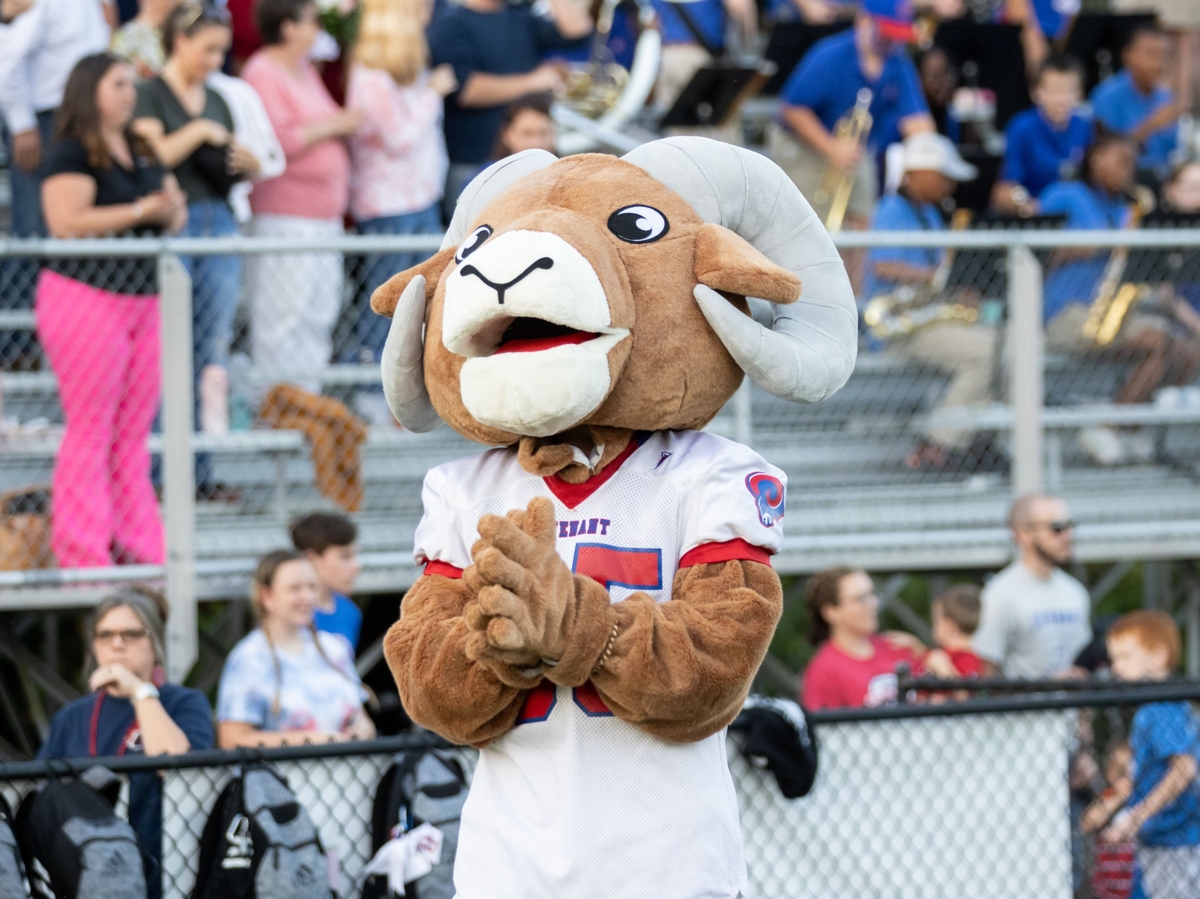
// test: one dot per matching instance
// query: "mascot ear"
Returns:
(387, 295)
(727, 262)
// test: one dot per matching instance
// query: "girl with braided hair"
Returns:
(286, 682)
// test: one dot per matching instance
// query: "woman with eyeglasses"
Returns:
(130, 708)
(854, 665)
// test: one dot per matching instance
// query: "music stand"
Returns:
(1158, 265)
(997, 54)
(788, 43)
(716, 94)
(987, 270)
(1097, 39)
(976, 195)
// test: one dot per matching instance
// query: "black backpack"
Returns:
(12, 869)
(779, 737)
(422, 786)
(75, 847)
(260, 843)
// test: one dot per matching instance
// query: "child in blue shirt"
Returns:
(1046, 143)
(1160, 804)
(1135, 101)
(330, 542)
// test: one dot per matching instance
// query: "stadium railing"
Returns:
(978, 798)
(862, 487)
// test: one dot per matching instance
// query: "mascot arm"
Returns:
(680, 670)
(443, 689)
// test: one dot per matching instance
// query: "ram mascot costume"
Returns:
(597, 592)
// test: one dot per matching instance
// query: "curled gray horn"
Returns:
(809, 351)
(403, 363)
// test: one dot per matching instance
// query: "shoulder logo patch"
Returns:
(767, 491)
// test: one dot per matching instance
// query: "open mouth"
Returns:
(531, 335)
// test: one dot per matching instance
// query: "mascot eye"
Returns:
(638, 224)
(473, 242)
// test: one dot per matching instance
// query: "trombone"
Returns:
(854, 126)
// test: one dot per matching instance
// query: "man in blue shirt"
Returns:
(964, 350)
(1135, 101)
(496, 50)
(683, 53)
(330, 541)
(824, 88)
(1046, 143)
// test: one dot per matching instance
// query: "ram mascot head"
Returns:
(601, 293)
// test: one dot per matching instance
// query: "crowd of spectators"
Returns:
(1031, 620)
(265, 131)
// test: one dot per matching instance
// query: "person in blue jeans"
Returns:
(191, 128)
(1159, 805)
(330, 542)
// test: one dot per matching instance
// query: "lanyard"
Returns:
(131, 735)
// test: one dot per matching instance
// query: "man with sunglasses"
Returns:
(1035, 616)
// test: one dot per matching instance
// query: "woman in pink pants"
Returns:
(98, 321)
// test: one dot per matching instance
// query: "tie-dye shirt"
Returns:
(312, 694)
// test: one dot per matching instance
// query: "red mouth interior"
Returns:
(532, 335)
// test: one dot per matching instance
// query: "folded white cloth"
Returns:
(409, 856)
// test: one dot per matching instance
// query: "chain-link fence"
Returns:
(967, 390)
(1006, 795)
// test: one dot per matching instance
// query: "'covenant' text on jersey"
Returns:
(573, 801)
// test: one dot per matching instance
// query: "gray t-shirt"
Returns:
(1031, 627)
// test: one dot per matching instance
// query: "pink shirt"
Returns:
(835, 680)
(399, 155)
(316, 182)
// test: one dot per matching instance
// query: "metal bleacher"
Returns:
(851, 498)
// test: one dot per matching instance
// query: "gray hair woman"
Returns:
(130, 708)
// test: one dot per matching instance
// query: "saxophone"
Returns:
(1114, 298)
(911, 307)
(854, 126)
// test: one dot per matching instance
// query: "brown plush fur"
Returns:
(673, 371)
(679, 670)
(465, 651)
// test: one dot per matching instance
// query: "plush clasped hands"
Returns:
(525, 619)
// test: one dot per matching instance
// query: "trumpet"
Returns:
(1113, 298)
(854, 126)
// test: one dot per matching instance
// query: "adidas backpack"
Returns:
(422, 786)
(12, 871)
(260, 843)
(74, 847)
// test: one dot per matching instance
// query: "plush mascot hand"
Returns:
(526, 592)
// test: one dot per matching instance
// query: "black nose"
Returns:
(467, 270)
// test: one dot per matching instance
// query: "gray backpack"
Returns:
(12, 871)
(422, 786)
(260, 843)
(74, 847)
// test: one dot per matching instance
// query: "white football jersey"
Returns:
(573, 802)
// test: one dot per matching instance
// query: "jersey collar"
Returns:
(571, 495)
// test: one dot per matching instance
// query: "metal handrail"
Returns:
(372, 243)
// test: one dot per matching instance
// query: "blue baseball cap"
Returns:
(893, 18)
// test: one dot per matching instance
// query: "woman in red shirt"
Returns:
(854, 664)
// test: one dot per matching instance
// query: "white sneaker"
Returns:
(1103, 444)
(1139, 444)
